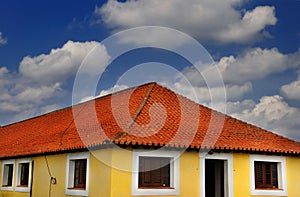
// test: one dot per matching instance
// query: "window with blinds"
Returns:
(154, 172)
(266, 175)
(80, 173)
(8, 170)
(24, 174)
(77, 175)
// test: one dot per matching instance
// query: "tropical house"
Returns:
(145, 141)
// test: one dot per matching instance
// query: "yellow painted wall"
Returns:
(110, 175)
(121, 172)
(100, 173)
(121, 175)
(241, 174)
(189, 174)
(41, 178)
(293, 176)
(241, 170)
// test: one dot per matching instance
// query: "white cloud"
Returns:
(255, 64)
(39, 94)
(111, 90)
(236, 107)
(115, 88)
(49, 108)
(60, 63)
(159, 37)
(41, 85)
(272, 113)
(31, 111)
(3, 71)
(250, 26)
(9, 107)
(3, 41)
(218, 21)
(291, 90)
(205, 94)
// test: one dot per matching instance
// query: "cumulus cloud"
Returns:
(60, 63)
(252, 24)
(292, 90)
(256, 63)
(38, 94)
(3, 71)
(3, 40)
(111, 90)
(209, 21)
(41, 85)
(115, 88)
(272, 113)
(205, 94)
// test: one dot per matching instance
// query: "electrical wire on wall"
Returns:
(52, 179)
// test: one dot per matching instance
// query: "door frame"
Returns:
(228, 171)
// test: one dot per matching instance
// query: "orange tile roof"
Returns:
(156, 116)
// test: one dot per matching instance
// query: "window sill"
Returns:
(6, 188)
(22, 189)
(156, 188)
(269, 192)
(76, 192)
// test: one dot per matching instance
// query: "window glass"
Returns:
(24, 174)
(80, 173)
(8, 175)
(266, 175)
(154, 172)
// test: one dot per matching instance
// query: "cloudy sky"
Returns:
(254, 44)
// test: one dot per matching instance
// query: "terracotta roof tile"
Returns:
(156, 116)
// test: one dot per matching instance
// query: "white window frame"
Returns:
(174, 173)
(228, 158)
(281, 169)
(6, 162)
(18, 173)
(70, 173)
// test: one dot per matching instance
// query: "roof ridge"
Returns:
(142, 104)
(137, 111)
(71, 122)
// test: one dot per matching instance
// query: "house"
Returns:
(145, 141)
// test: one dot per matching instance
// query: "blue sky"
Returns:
(255, 45)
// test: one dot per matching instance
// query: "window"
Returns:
(155, 173)
(7, 174)
(77, 174)
(23, 175)
(80, 173)
(268, 175)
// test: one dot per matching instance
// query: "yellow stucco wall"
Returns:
(121, 179)
(241, 174)
(110, 175)
(241, 171)
(100, 173)
(41, 178)
(293, 176)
